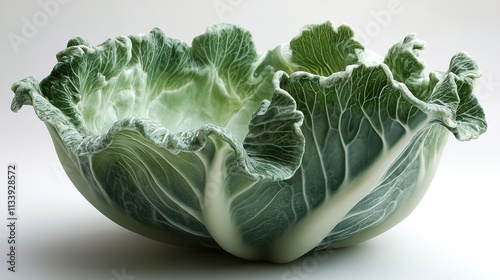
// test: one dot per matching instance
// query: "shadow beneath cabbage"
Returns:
(118, 254)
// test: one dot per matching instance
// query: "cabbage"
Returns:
(316, 144)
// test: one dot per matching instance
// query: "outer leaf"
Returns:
(386, 119)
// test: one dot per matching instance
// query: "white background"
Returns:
(452, 235)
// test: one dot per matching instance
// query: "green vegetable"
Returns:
(315, 144)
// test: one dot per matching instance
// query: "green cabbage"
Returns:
(315, 144)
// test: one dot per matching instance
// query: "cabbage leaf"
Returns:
(318, 143)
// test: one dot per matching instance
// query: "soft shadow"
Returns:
(104, 254)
